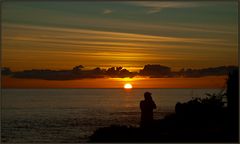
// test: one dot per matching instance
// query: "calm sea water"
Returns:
(72, 115)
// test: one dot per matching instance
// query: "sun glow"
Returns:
(128, 86)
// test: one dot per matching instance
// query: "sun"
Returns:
(128, 86)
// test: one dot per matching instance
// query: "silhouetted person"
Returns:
(147, 105)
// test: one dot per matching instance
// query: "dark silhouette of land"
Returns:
(198, 120)
(78, 72)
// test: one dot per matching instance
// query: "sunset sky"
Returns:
(61, 35)
(131, 34)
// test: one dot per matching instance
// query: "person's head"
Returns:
(147, 96)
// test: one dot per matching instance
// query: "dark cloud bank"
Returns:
(153, 71)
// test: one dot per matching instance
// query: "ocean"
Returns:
(72, 115)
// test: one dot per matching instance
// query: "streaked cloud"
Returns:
(155, 7)
(26, 43)
(107, 11)
(77, 34)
